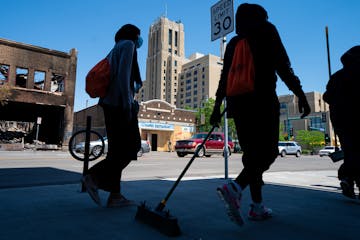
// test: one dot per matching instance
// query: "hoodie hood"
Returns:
(128, 31)
(351, 58)
(248, 17)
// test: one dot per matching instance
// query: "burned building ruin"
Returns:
(37, 87)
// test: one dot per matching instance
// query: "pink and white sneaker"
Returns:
(230, 193)
(259, 212)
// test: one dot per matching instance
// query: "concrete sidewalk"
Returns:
(64, 212)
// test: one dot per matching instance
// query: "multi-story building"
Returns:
(41, 87)
(172, 77)
(318, 119)
(198, 80)
(165, 57)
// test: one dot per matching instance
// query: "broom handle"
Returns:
(162, 204)
(329, 68)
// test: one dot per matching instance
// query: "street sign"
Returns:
(222, 19)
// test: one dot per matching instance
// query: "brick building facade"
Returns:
(41, 85)
(159, 123)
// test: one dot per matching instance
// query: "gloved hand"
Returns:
(304, 106)
(215, 117)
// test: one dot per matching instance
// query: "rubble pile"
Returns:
(14, 131)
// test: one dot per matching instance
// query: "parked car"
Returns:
(95, 147)
(325, 151)
(289, 148)
(145, 147)
(214, 145)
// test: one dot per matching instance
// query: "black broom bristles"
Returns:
(161, 220)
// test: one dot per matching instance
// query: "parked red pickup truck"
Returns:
(214, 145)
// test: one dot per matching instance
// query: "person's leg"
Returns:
(349, 171)
(231, 192)
(105, 174)
(97, 177)
(258, 161)
(106, 171)
(126, 150)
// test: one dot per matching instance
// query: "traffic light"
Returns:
(291, 133)
(327, 138)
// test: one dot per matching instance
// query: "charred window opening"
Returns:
(57, 83)
(4, 73)
(21, 77)
(39, 80)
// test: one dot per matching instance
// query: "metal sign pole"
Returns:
(226, 150)
(226, 142)
(222, 23)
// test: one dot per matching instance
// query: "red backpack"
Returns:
(242, 71)
(98, 79)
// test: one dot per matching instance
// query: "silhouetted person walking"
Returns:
(256, 110)
(342, 95)
(120, 112)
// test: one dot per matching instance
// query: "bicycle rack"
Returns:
(86, 152)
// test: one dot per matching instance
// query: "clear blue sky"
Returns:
(89, 26)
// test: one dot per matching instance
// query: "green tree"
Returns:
(310, 140)
(206, 110)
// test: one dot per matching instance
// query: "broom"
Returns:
(158, 217)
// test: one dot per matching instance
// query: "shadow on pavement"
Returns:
(39, 176)
(63, 212)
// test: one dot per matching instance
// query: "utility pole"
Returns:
(329, 69)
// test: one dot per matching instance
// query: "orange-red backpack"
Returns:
(241, 75)
(98, 79)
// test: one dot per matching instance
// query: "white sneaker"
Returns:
(259, 212)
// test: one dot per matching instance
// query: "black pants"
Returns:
(350, 169)
(123, 144)
(258, 133)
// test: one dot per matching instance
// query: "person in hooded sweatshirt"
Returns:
(255, 113)
(120, 113)
(341, 94)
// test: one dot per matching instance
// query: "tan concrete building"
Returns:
(318, 119)
(159, 123)
(198, 80)
(41, 85)
(170, 76)
(165, 57)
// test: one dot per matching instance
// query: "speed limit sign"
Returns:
(222, 19)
